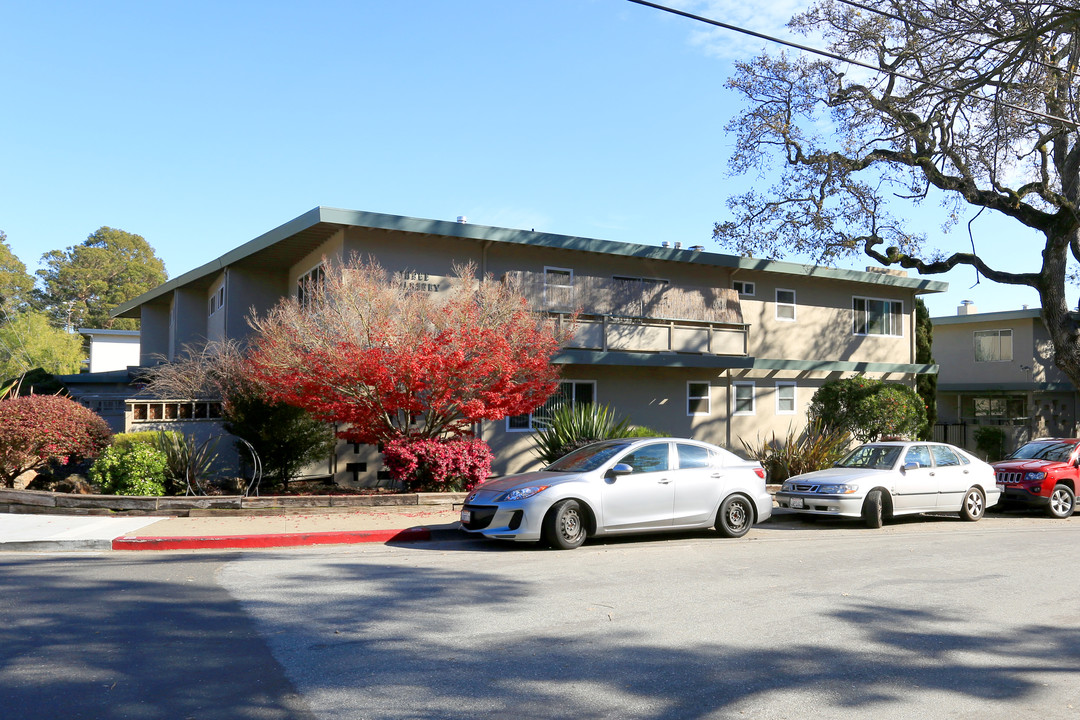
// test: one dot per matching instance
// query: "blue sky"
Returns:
(201, 125)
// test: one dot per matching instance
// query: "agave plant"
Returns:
(188, 460)
(815, 448)
(570, 427)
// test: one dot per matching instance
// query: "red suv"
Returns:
(1042, 473)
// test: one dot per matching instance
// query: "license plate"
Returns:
(796, 503)
(466, 516)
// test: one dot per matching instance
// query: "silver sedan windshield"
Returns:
(872, 457)
(587, 458)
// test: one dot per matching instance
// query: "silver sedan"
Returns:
(623, 486)
(881, 480)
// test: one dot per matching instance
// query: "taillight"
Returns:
(760, 472)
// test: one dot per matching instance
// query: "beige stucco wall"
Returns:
(954, 351)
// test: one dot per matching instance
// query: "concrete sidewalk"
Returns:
(43, 533)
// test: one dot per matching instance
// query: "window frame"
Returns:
(890, 313)
(783, 384)
(745, 288)
(531, 425)
(569, 286)
(793, 305)
(735, 385)
(317, 275)
(998, 333)
(707, 397)
(216, 301)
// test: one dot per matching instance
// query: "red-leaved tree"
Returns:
(368, 350)
(36, 428)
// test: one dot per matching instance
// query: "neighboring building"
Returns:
(998, 369)
(112, 349)
(695, 344)
(107, 384)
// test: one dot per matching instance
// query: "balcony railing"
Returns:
(641, 315)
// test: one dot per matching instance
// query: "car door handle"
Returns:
(663, 481)
(717, 475)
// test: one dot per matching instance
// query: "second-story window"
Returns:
(558, 288)
(309, 283)
(217, 301)
(993, 346)
(785, 305)
(878, 317)
(744, 288)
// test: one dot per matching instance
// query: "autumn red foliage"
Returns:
(385, 361)
(438, 465)
(37, 428)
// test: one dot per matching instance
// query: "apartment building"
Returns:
(691, 343)
(998, 368)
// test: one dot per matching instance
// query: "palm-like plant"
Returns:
(569, 427)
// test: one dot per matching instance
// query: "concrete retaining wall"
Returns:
(35, 501)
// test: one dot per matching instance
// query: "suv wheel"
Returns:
(1062, 502)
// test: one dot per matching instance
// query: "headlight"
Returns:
(837, 489)
(787, 487)
(522, 493)
(1035, 476)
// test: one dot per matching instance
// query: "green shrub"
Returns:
(145, 437)
(815, 448)
(134, 468)
(868, 409)
(990, 442)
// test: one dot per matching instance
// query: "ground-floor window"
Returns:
(570, 392)
(698, 398)
(785, 398)
(743, 398)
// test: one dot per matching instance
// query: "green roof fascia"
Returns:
(380, 221)
(1005, 387)
(650, 359)
(843, 366)
(1003, 316)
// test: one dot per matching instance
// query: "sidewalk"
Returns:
(44, 533)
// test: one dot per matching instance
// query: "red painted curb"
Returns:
(225, 542)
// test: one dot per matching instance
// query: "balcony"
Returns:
(640, 315)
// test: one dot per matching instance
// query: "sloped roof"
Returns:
(288, 243)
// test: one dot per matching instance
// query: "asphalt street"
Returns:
(929, 617)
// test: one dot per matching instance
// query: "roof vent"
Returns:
(462, 219)
(678, 245)
(664, 244)
(698, 248)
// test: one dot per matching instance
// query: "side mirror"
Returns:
(620, 469)
(911, 466)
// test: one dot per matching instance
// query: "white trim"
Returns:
(794, 396)
(707, 397)
(748, 287)
(735, 397)
(792, 305)
(549, 304)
